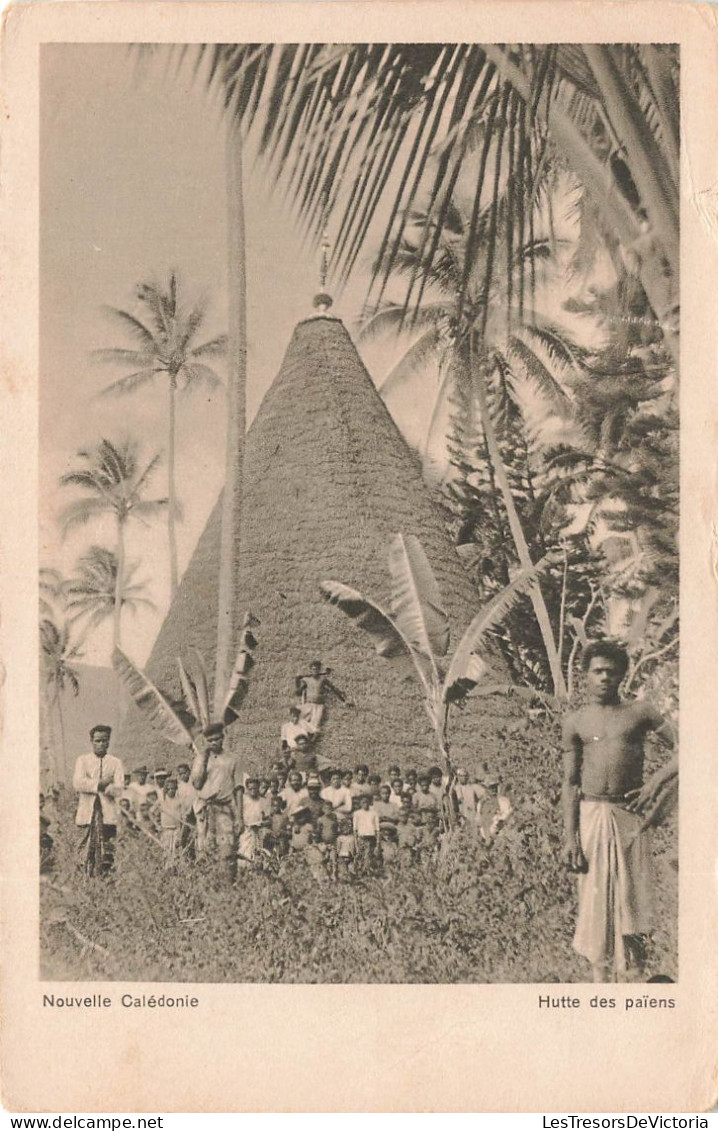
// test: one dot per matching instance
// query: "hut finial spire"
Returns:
(323, 300)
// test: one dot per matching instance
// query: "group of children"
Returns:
(353, 821)
(342, 822)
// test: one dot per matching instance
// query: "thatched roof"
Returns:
(329, 481)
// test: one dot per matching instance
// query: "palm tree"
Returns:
(92, 591)
(52, 591)
(228, 617)
(113, 483)
(58, 654)
(339, 118)
(166, 334)
(472, 345)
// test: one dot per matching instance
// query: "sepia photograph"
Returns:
(358, 512)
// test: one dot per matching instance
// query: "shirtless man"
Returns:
(313, 689)
(605, 836)
(215, 776)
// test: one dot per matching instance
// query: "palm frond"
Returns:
(131, 383)
(215, 347)
(82, 511)
(414, 361)
(134, 326)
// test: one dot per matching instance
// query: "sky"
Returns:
(133, 185)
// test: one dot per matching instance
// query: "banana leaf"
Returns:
(467, 667)
(388, 639)
(416, 605)
(188, 690)
(198, 675)
(151, 701)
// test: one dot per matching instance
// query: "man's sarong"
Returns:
(312, 715)
(614, 895)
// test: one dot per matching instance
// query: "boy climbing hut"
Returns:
(606, 839)
(312, 690)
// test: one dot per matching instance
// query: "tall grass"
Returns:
(502, 913)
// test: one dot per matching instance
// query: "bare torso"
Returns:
(606, 741)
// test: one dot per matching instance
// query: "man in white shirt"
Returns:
(99, 780)
(339, 796)
(366, 832)
(139, 787)
(292, 729)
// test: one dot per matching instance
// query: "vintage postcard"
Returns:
(359, 556)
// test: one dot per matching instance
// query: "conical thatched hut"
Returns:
(329, 481)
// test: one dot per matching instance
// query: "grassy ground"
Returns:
(473, 915)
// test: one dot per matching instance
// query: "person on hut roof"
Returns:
(305, 759)
(292, 729)
(99, 779)
(313, 689)
(606, 838)
(215, 775)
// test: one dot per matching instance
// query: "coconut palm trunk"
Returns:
(48, 735)
(227, 614)
(522, 549)
(119, 581)
(171, 492)
(61, 762)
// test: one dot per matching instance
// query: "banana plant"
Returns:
(182, 720)
(415, 626)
